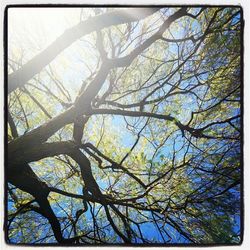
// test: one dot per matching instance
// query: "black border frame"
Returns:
(5, 45)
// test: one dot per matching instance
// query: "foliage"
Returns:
(126, 127)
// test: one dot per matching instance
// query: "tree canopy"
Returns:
(124, 125)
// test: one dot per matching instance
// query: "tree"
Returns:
(126, 128)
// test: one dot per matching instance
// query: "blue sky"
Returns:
(72, 77)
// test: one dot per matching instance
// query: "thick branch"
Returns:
(35, 65)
